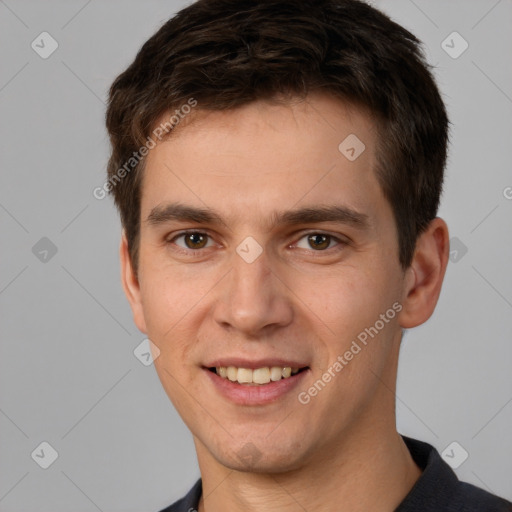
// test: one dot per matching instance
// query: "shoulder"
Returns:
(469, 498)
(439, 490)
(188, 503)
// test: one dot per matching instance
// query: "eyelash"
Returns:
(339, 242)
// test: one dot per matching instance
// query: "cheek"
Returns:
(175, 303)
(168, 307)
(168, 291)
(341, 297)
(346, 303)
(164, 301)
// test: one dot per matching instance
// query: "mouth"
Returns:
(256, 383)
(257, 376)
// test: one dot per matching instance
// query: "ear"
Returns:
(424, 277)
(131, 285)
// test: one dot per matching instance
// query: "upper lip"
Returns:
(254, 363)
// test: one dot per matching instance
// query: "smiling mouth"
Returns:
(258, 376)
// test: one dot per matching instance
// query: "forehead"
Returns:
(264, 157)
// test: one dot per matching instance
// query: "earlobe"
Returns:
(424, 278)
(131, 285)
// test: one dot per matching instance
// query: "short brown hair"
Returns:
(227, 53)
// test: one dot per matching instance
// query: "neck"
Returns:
(365, 472)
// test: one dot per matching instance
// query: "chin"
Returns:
(260, 458)
(266, 465)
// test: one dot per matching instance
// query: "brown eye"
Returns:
(319, 241)
(195, 240)
(191, 240)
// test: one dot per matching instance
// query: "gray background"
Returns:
(68, 374)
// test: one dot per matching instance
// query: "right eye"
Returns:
(192, 240)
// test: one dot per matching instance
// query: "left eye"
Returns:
(317, 241)
(192, 240)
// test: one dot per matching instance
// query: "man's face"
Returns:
(293, 254)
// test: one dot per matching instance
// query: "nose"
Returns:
(253, 299)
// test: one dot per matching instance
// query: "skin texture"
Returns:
(293, 302)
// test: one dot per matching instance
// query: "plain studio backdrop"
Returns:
(69, 374)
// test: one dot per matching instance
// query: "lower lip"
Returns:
(260, 394)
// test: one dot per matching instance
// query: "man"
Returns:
(278, 167)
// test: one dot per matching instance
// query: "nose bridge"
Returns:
(250, 280)
(253, 298)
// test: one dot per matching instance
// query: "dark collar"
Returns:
(435, 483)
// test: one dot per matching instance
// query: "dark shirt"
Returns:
(437, 489)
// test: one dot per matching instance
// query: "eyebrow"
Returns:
(162, 214)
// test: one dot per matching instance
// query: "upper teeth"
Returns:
(258, 376)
